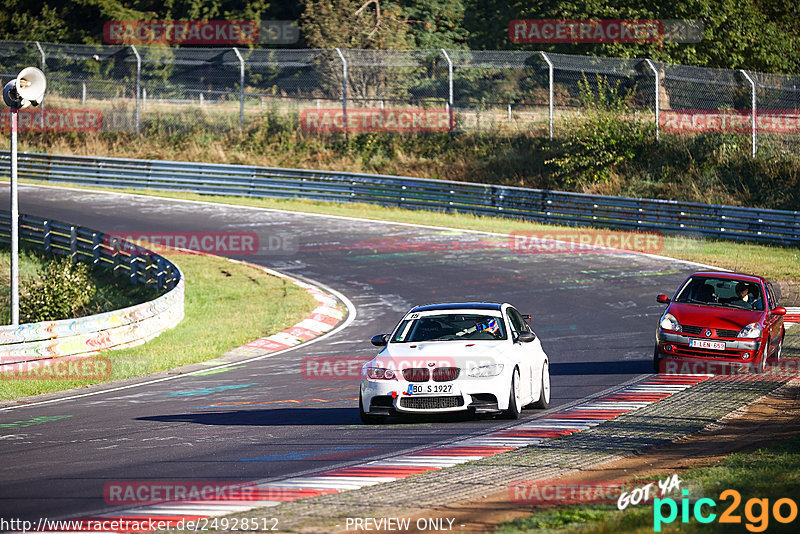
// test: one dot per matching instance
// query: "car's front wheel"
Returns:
(762, 365)
(514, 398)
(544, 392)
(366, 418)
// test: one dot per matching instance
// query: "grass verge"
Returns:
(227, 304)
(771, 473)
(772, 261)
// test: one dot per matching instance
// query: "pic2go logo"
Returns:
(756, 511)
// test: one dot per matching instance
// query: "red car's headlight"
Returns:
(669, 322)
(752, 331)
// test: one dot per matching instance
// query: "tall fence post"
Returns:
(44, 59)
(241, 85)
(344, 90)
(450, 92)
(550, 91)
(138, 84)
(657, 104)
(753, 105)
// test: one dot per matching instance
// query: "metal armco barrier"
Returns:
(552, 207)
(111, 330)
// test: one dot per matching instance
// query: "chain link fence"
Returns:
(127, 88)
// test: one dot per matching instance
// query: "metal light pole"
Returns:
(26, 90)
(14, 222)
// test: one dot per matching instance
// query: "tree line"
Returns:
(761, 35)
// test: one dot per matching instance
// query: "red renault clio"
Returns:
(725, 317)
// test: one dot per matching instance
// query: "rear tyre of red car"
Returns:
(514, 406)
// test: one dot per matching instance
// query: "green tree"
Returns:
(436, 24)
(81, 21)
(373, 24)
(754, 34)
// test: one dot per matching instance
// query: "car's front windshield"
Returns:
(722, 292)
(449, 327)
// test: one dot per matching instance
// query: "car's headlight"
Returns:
(669, 322)
(486, 370)
(753, 331)
(379, 373)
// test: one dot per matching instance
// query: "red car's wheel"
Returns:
(762, 365)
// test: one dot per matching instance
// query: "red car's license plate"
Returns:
(705, 344)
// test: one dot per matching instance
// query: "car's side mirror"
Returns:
(380, 340)
(663, 299)
(780, 310)
(526, 337)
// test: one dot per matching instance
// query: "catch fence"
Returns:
(129, 87)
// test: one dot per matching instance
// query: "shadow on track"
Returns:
(298, 417)
(602, 368)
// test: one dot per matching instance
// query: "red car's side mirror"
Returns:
(663, 299)
(780, 310)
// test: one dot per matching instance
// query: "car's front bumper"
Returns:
(676, 345)
(479, 395)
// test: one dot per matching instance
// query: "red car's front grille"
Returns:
(727, 333)
(715, 332)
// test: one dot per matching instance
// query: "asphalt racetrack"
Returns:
(595, 314)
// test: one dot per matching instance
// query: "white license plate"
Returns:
(430, 389)
(705, 344)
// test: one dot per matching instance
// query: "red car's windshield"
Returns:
(722, 292)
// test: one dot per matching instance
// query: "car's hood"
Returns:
(441, 354)
(714, 317)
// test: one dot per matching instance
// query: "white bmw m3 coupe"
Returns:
(475, 356)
